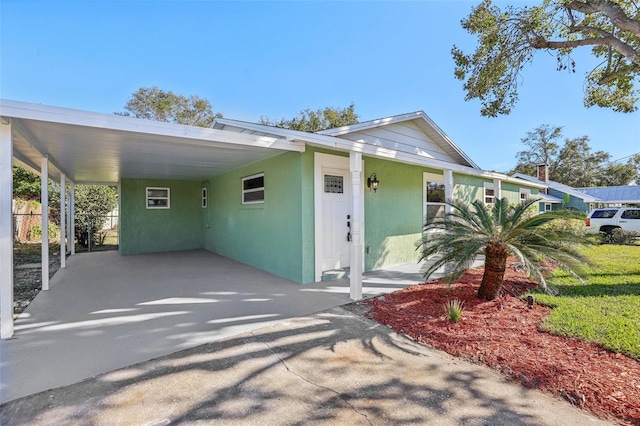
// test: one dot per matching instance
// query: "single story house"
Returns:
(556, 196)
(292, 203)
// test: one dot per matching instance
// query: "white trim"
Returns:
(497, 188)
(448, 188)
(63, 220)
(72, 217)
(432, 177)
(46, 113)
(356, 251)
(157, 188)
(485, 187)
(44, 222)
(249, 191)
(321, 161)
(6, 233)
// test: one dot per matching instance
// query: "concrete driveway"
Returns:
(330, 368)
(106, 311)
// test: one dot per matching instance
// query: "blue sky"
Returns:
(252, 59)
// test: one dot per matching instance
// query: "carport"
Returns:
(106, 311)
(77, 147)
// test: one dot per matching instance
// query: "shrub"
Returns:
(453, 309)
(93, 204)
(623, 237)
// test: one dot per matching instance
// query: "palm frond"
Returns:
(454, 240)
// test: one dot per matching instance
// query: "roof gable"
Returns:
(414, 133)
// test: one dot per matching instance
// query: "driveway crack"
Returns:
(338, 394)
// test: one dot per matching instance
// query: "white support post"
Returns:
(448, 188)
(497, 188)
(44, 200)
(72, 218)
(63, 221)
(356, 256)
(6, 232)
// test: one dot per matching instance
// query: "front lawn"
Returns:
(605, 310)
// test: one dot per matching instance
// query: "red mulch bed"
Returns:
(504, 334)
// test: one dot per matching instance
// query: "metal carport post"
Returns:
(6, 231)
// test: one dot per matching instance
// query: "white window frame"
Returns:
(248, 191)
(485, 187)
(205, 200)
(527, 194)
(547, 207)
(431, 177)
(157, 188)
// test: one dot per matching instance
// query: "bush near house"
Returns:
(93, 204)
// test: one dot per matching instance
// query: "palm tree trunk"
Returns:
(495, 264)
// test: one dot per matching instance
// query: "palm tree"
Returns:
(455, 240)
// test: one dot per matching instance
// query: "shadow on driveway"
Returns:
(333, 367)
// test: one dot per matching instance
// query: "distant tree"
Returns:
(156, 104)
(573, 163)
(509, 38)
(315, 121)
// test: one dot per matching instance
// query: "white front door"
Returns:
(336, 218)
(332, 213)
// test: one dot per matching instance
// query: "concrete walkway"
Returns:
(330, 368)
(106, 311)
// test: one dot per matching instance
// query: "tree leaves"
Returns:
(573, 163)
(508, 40)
(156, 104)
(315, 121)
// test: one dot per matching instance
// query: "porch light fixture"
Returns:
(373, 182)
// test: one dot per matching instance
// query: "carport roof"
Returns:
(93, 147)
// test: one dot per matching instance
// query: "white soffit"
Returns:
(104, 148)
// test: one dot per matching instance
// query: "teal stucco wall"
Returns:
(393, 214)
(272, 236)
(145, 230)
(468, 188)
(573, 202)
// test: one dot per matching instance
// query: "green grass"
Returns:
(605, 310)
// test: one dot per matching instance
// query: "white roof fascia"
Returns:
(339, 131)
(550, 199)
(288, 134)
(370, 150)
(23, 110)
(365, 125)
(405, 157)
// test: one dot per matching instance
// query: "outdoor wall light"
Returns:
(373, 182)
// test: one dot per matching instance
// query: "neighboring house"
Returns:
(557, 196)
(292, 203)
(615, 196)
